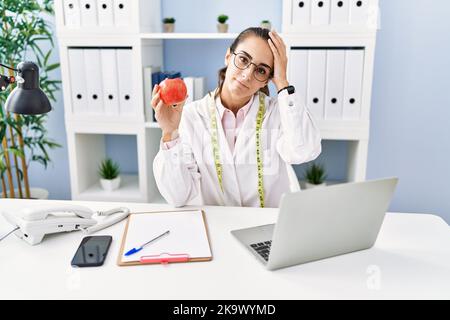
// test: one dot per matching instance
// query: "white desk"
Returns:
(411, 259)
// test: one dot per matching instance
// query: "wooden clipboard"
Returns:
(185, 259)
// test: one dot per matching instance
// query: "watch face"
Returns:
(291, 89)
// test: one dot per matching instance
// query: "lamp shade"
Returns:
(28, 98)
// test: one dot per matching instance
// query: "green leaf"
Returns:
(315, 174)
(2, 131)
(108, 169)
(46, 58)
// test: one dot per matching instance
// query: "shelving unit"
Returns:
(113, 27)
(136, 36)
(337, 29)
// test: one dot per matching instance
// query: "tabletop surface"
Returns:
(410, 260)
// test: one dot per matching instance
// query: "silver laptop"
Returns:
(320, 223)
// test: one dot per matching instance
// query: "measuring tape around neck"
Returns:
(216, 152)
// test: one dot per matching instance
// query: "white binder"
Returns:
(354, 69)
(339, 12)
(298, 73)
(320, 12)
(72, 14)
(335, 84)
(77, 81)
(301, 12)
(199, 88)
(359, 10)
(93, 69)
(124, 67)
(110, 81)
(105, 13)
(189, 81)
(316, 82)
(122, 13)
(88, 11)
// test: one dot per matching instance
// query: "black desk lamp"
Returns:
(27, 98)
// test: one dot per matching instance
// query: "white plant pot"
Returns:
(169, 27)
(110, 184)
(311, 185)
(35, 193)
(222, 27)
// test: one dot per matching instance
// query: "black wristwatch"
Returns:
(290, 89)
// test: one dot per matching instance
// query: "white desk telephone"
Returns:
(34, 223)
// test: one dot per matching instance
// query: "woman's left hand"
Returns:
(280, 60)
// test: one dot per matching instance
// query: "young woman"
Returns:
(235, 146)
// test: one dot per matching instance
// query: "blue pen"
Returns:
(134, 250)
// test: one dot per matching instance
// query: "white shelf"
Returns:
(183, 35)
(128, 191)
(216, 35)
(89, 126)
(327, 33)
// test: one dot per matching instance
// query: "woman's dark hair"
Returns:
(263, 33)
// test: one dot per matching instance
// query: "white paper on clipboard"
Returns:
(187, 235)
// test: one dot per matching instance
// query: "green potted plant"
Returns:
(109, 174)
(24, 139)
(266, 24)
(169, 24)
(315, 176)
(222, 26)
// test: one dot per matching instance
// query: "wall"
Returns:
(410, 127)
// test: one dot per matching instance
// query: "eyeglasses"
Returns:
(261, 72)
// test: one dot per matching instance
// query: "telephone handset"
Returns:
(33, 214)
(37, 221)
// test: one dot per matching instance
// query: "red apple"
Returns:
(172, 91)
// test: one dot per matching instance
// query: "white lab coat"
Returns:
(187, 170)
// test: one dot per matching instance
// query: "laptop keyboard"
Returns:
(262, 248)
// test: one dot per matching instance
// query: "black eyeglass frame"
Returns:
(251, 63)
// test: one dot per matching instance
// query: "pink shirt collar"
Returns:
(244, 109)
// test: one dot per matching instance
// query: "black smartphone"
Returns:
(92, 251)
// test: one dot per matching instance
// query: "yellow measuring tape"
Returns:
(216, 152)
